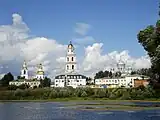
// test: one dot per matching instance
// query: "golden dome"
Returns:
(40, 72)
(70, 46)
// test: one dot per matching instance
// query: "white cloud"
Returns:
(82, 28)
(16, 46)
(95, 61)
(84, 40)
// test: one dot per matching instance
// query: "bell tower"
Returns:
(24, 71)
(71, 64)
(40, 72)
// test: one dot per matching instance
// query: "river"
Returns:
(59, 111)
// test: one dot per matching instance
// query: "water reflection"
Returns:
(57, 111)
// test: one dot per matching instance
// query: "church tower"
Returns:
(24, 71)
(40, 72)
(71, 65)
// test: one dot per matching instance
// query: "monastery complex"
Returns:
(70, 77)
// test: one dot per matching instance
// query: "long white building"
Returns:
(70, 76)
(126, 81)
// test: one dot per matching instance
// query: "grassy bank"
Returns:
(79, 99)
(80, 94)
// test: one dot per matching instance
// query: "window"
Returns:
(72, 59)
(72, 67)
(67, 58)
(67, 67)
(24, 72)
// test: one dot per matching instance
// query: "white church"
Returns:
(70, 76)
(24, 77)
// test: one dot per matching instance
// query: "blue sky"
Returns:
(115, 23)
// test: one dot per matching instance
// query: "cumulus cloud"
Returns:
(82, 28)
(16, 45)
(95, 61)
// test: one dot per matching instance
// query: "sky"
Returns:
(101, 30)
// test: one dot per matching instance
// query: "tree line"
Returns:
(143, 71)
(140, 93)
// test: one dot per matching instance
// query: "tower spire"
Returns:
(71, 59)
(24, 71)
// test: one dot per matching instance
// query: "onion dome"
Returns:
(70, 46)
(40, 70)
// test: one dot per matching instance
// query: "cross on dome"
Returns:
(70, 46)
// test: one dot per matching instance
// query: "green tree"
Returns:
(12, 87)
(46, 82)
(6, 79)
(149, 38)
(18, 77)
(23, 86)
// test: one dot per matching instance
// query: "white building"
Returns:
(40, 72)
(24, 71)
(31, 83)
(127, 81)
(25, 77)
(71, 77)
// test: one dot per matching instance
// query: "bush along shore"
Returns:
(68, 93)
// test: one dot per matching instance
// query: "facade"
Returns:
(40, 73)
(73, 80)
(31, 83)
(127, 81)
(25, 77)
(24, 71)
(71, 77)
(71, 65)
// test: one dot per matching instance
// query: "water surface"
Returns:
(59, 111)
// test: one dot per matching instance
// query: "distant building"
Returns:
(24, 77)
(126, 81)
(70, 76)
(40, 72)
(24, 71)
(31, 83)
(138, 82)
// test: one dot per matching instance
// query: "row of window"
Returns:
(69, 81)
(115, 81)
(32, 83)
(72, 67)
(72, 59)
(70, 84)
(71, 77)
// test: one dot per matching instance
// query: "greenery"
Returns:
(19, 93)
(46, 82)
(149, 38)
(106, 73)
(6, 79)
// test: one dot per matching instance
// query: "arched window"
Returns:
(67, 67)
(72, 58)
(72, 67)
(67, 58)
(24, 72)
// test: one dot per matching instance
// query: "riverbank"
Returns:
(79, 100)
